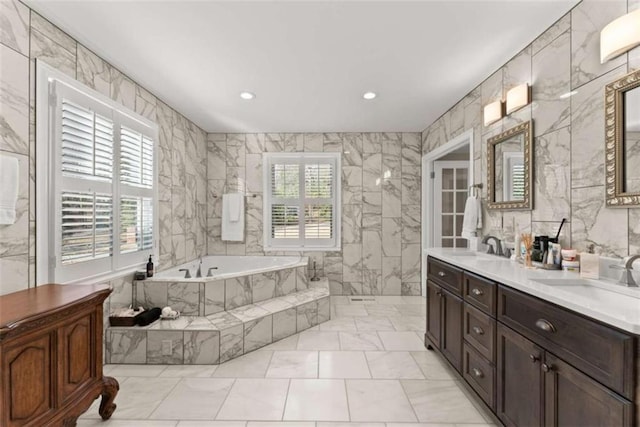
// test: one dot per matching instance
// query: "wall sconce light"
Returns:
(619, 36)
(493, 112)
(518, 97)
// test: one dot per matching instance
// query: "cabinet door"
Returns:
(27, 376)
(451, 338)
(574, 399)
(519, 377)
(434, 313)
(77, 359)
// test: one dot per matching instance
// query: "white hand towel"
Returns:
(472, 217)
(233, 217)
(235, 204)
(8, 189)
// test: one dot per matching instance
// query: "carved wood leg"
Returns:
(110, 388)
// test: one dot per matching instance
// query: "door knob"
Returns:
(546, 367)
(534, 358)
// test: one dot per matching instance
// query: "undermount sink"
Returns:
(563, 282)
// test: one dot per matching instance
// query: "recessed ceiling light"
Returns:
(247, 95)
(369, 95)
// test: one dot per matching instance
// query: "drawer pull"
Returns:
(441, 273)
(476, 292)
(547, 368)
(534, 358)
(545, 325)
(478, 330)
(477, 372)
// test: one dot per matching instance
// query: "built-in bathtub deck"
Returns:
(218, 337)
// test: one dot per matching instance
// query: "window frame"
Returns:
(49, 182)
(300, 244)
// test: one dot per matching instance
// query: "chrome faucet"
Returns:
(209, 272)
(627, 276)
(187, 274)
(498, 250)
(199, 272)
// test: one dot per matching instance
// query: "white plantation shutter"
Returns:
(103, 195)
(301, 201)
(87, 143)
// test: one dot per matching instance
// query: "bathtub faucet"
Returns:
(209, 272)
(199, 272)
(187, 274)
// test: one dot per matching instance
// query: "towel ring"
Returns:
(474, 188)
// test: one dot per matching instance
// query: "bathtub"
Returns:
(228, 267)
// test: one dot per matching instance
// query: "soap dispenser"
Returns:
(590, 263)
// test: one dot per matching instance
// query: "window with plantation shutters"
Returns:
(302, 201)
(99, 178)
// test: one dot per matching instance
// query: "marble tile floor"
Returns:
(366, 367)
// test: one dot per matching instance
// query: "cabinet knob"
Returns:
(534, 358)
(441, 273)
(478, 330)
(476, 291)
(477, 372)
(546, 367)
(545, 325)
(439, 293)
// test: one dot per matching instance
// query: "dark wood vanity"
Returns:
(531, 362)
(51, 355)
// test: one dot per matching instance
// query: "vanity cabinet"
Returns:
(537, 388)
(51, 355)
(534, 363)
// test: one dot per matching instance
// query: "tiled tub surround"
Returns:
(216, 338)
(209, 295)
(567, 82)
(227, 267)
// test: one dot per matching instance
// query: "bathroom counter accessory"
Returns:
(603, 300)
(51, 355)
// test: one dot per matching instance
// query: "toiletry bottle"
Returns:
(590, 264)
(150, 267)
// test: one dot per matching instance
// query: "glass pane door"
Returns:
(451, 186)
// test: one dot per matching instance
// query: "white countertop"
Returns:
(603, 300)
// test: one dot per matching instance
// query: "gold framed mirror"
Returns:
(509, 166)
(622, 134)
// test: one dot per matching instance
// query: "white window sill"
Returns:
(302, 249)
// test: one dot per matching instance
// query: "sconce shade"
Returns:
(619, 36)
(492, 112)
(517, 98)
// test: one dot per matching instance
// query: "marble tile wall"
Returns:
(563, 67)
(26, 36)
(380, 204)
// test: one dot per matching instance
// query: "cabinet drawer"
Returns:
(599, 351)
(446, 275)
(480, 374)
(479, 331)
(480, 292)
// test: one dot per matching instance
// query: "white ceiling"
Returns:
(307, 62)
